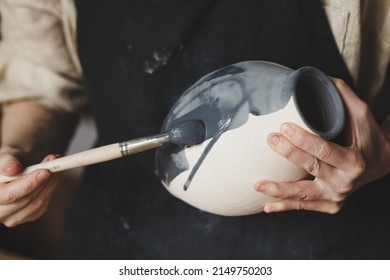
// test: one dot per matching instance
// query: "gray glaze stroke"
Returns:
(223, 100)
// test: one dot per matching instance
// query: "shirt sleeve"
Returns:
(361, 30)
(37, 61)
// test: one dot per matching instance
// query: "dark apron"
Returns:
(137, 58)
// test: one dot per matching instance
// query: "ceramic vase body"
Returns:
(240, 105)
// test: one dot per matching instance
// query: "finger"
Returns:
(7, 210)
(37, 207)
(347, 94)
(9, 165)
(326, 151)
(51, 157)
(319, 206)
(310, 163)
(14, 191)
(33, 205)
(302, 190)
(31, 212)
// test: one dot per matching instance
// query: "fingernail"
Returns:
(268, 208)
(49, 158)
(52, 157)
(280, 144)
(287, 129)
(274, 139)
(259, 186)
(268, 188)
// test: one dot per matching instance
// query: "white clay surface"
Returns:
(224, 184)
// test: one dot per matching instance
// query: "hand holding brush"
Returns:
(186, 133)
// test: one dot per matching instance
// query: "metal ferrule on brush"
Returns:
(143, 144)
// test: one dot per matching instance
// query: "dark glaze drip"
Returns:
(206, 151)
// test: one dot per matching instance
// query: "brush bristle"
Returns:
(187, 133)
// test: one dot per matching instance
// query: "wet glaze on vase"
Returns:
(240, 105)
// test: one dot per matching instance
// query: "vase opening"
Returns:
(319, 103)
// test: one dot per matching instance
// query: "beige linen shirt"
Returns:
(38, 56)
(39, 61)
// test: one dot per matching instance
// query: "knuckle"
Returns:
(30, 185)
(344, 183)
(301, 196)
(299, 206)
(323, 151)
(8, 198)
(345, 186)
(288, 152)
(313, 166)
(360, 165)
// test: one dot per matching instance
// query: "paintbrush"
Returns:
(186, 133)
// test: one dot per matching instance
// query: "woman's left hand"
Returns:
(338, 171)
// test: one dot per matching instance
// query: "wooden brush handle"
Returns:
(96, 155)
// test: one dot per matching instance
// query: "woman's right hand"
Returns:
(25, 199)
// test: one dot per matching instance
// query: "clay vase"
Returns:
(240, 105)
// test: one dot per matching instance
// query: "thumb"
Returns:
(9, 165)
